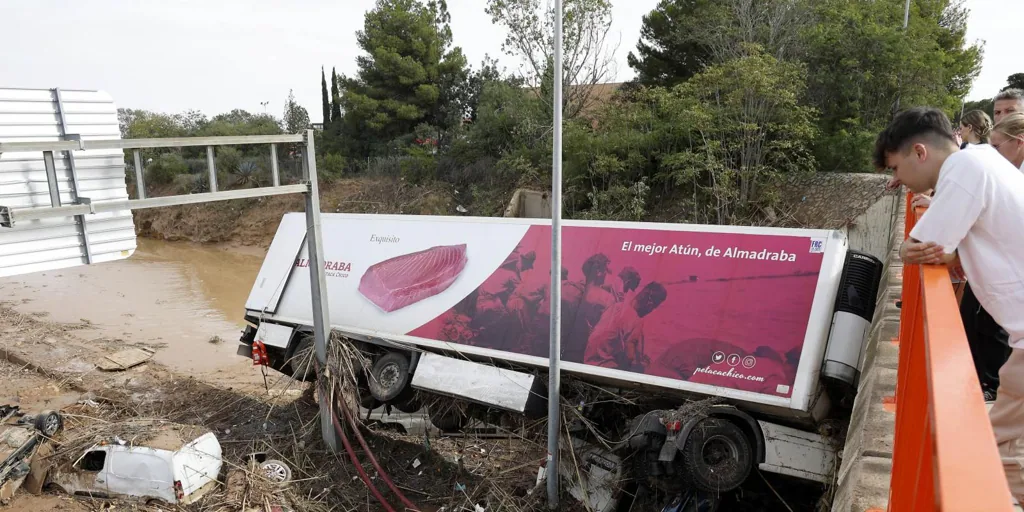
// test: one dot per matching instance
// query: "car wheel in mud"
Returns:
(389, 376)
(276, 471)
(301, 361)
(717, 456)
(49, 423)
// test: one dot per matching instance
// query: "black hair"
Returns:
(657, 291)
(910, 126)
(630, 278)
(595, 262)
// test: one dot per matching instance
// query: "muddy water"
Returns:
(184, 300)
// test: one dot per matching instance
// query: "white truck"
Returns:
(769, 321)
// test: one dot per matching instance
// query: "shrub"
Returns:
(163, 170)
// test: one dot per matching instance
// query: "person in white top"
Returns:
(975, 128)
(1008, 138)
(976, 216)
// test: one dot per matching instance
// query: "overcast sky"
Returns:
(216, 55)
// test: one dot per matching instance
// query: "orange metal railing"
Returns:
(944, 453)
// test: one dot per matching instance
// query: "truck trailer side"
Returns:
(752, 318)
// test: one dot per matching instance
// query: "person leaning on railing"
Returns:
(977, 219)
(988, 341)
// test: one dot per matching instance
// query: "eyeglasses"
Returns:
(1017, 138)
(996, 146)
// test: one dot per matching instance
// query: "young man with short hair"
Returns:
(976, 215)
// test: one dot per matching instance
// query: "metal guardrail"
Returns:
(944, 453)
(83, 206)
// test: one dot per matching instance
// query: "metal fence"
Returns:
(81, 207)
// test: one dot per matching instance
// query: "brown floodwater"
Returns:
(185, 300)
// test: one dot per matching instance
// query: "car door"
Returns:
(140, 472)
(89, 474)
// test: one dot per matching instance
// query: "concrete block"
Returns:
(880, 349)
(866, 486)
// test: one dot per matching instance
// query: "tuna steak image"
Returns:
(407, 279)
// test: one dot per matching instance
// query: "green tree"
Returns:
(163, 169)
(668, 53)
(296, 119)
(326, 100)
(717, 143)
(861, 61)
(587, 56)
(335, 98)
(410, 75)
(1014, 81)
(682, 37)
(240, 122)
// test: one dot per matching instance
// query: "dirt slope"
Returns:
(254, 221)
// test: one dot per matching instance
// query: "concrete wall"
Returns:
(862, 482)
(871, 231)
(530, 204)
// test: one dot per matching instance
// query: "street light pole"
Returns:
(555, 348)
(906, 22)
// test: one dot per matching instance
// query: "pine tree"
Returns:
(335, 97)
(404, 81)
(326, 100)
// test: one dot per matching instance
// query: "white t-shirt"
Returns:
(978, 208)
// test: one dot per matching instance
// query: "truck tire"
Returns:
(717, 456)
(301, 362)
(389, 376)
(49, 423)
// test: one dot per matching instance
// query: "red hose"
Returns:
(369, 453)
(359, 467)
(373, 460)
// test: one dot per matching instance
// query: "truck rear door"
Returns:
(277, 266)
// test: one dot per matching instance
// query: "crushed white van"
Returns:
(169, 463)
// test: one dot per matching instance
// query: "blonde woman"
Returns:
(975, 128)
(1008, 139)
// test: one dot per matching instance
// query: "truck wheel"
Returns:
(717, 456)
(301, 361)
(49, 423)
(389, 376)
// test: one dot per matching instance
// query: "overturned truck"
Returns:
(768, 323)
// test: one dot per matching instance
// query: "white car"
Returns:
(174, 464)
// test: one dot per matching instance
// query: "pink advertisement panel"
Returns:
(722, 309)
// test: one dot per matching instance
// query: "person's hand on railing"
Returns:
(926, 253)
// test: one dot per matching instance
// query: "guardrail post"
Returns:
(51, 178)
(211, 164)
(275, 171)
(140, 183)
(318, 285)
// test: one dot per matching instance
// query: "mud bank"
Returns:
(253, 222)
